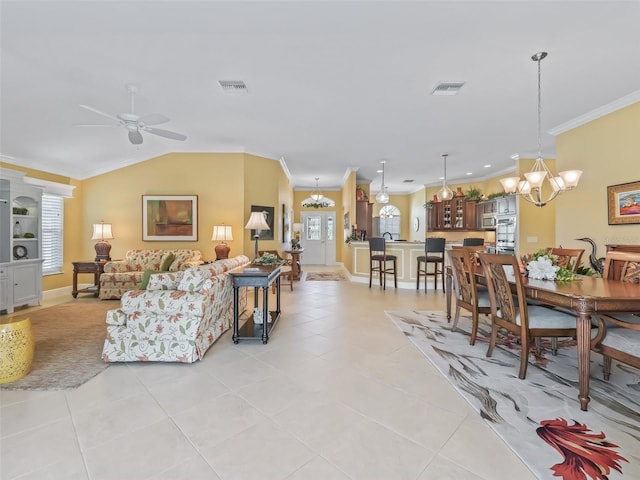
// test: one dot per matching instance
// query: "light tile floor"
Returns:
(337, 393)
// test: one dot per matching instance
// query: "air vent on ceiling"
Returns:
(447, 88)
(408, 180)
(233, 86)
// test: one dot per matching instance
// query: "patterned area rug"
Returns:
(68, 345)
(323, 276)
(539, 417)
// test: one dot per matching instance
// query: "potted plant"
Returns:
(473, 194)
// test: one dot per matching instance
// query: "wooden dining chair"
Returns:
(433, 254)
(619, 333)
(286, 269)
(568, 258)
(514, 315)
(464, 265)
(378, 262)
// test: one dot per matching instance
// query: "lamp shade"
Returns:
(222, 233)
(257, 222)
(297, 227)
(102, 231)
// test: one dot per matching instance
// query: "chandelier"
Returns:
(316, 199)
(383, 194)
(531, 188)
(445, 192)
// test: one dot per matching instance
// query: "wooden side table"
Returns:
(96, 268)
(296, 268)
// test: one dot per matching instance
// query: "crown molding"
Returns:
(597, 113)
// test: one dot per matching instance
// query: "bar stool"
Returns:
(472, 242)
(378, 259)
(433, 253)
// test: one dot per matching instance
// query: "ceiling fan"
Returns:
(136, 124)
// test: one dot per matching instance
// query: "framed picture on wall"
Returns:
(169, 218)
(269, 213)
(624, 203)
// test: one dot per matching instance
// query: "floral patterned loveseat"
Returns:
(177, 318)
(123, 275)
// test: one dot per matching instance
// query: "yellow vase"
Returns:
(16, 349)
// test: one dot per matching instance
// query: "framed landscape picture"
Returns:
(624, 203)
(169, 218)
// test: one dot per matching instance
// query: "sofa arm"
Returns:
(116, 266)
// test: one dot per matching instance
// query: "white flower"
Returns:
(542, 269)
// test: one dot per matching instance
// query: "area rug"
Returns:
(68, 345)
(539, 417)
(324, 276)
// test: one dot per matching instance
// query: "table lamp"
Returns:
(102, 232)
(222, 233)
(257, 222)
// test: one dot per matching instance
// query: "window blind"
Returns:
(52, 233)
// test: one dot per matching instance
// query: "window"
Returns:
(52, 233)
(390, 221)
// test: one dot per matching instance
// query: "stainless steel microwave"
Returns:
(489, 221)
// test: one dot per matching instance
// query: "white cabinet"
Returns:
(4, 288)
(20, 241)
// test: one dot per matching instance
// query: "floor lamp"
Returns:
(257, 223)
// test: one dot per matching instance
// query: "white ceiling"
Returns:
(332, 85)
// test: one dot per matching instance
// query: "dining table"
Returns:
(585, 296)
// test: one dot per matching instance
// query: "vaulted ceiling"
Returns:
(331, 85)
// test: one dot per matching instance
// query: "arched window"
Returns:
(390, 221)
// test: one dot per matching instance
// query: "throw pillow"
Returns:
(192, 280)
(145, 278)
(166, 261)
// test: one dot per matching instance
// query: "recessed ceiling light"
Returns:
(515, 156)
(486, 166)
(469, 173)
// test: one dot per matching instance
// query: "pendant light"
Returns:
(383, 195)
(317, 200)
(531, 188)
(445, 192)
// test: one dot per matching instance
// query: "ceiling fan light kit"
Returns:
(136, 123)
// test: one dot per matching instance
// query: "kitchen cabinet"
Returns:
(455, 214)
(506, 205)
(364, 217)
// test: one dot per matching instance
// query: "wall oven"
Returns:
(506, 234)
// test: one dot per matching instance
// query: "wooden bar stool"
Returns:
(433, 254)
(378, 259)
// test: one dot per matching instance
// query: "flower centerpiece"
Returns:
(268, 259)
(543, 265)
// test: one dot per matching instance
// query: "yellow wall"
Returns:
(348, 206)
(536, 225)
(608, 151)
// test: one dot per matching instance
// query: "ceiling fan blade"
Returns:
(94, 125)
(165, 133)
(135, 137)
(91, 109)
(153, 119)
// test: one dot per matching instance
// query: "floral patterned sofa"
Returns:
(177, 318)
(123, 275)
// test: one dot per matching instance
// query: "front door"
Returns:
(319, 238)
